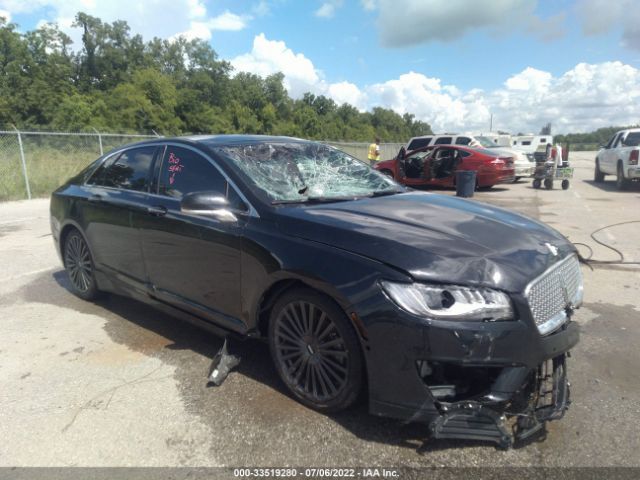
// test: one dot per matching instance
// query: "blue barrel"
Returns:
(465, 183)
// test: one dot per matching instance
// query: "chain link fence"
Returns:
(33, 164)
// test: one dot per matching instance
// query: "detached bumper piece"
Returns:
(542, 397)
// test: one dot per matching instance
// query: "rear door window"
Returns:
(463, 141)
(129, 170)
(443, 141)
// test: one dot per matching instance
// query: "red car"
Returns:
(436, 165)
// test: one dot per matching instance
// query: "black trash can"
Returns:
(465, 183)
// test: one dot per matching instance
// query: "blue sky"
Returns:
(452, 63)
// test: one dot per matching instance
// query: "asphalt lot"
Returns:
(117, 384)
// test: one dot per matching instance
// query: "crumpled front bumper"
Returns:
(543, 397)
(495, 381)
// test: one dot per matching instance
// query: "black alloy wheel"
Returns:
(79, 266)
(315, 350)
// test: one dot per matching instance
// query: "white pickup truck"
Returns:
(619, 157)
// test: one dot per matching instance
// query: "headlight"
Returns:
(449, 302)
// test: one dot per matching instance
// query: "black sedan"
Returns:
(442, 310)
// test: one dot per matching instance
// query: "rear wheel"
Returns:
(537, 183)
(565, 184)
(548, 183)
(79, 266)
(621, 182)
(315, 350)
(598, 176)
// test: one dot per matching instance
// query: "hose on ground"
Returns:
(589, 260)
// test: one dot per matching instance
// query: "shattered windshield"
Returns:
(301, 172)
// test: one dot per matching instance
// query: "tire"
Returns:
(548, 183)
(598, 176)
(326, 379)
(79, 266)
(565, 184)
(484, 188)
(621, 182)
(516, 179)
(537, 183)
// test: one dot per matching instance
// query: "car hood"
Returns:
(435, 238)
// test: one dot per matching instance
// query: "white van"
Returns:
(535, 145)
(523, 163)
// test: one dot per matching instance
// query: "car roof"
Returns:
(222, 140)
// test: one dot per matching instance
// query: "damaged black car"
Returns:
(435, 309)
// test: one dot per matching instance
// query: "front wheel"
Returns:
(315, 350)
(79, 266)
(565, 184)
(537, 183)
(548, 183)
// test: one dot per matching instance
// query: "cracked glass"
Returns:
(301, 172)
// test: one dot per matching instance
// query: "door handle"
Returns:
(157, 210)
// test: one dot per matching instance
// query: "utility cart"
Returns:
(547, 172)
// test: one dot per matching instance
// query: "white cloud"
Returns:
(369, 5)
(300, 75)
(586, 97)
(271, 56)
(6, 14)
(328, 9)
(347, 92)
(148, 18)
(423, 96)
(602, 16)
(226, 21)
(529, 79)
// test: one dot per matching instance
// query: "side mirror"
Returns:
(207, 204)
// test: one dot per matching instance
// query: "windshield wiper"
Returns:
(384, 193)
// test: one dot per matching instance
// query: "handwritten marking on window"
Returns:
(175, 167)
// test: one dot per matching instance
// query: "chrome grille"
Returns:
(550, 294)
